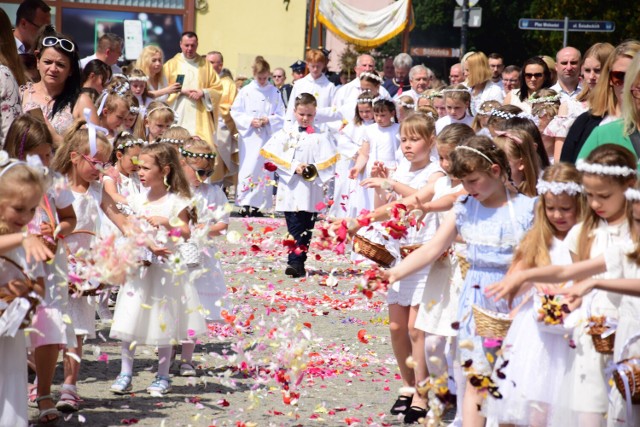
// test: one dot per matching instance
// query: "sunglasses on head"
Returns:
(65, 44)
(616, 78)
(532, 75)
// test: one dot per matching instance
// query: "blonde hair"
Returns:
(630, 112)
(533, 250)
(166, 155)
(160, 111)
(419, 124)
(519, 144)
(144, 63)
(138, 125)
(76, 139)
(600, 52)
(608, 155)
(603, 100)
(479, 71)
(13, 180)
(260, 65)
(454, 134)
(485, 110)
(457, 92)
(25, 134)
(175, 135)
(197, 145)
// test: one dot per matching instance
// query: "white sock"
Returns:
(164, 360)
(128, 355)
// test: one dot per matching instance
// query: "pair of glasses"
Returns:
(616, 78)
(277, 77)
(635, 92)
(202, 173)
(95, 164)
(532, 75)
(65, 44)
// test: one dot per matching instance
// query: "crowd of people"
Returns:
(485, 192)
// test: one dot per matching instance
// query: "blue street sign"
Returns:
(558, 25)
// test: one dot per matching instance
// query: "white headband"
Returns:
(371, 76)
(162, 107)
(632, 195)
(138, 78)
(545, 99)
(33, 161)
(556, 188)
(93, 130)
(598, 169)
(473, 150)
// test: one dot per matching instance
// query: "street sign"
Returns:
(436, 52)
(558, 25)
(475, 17)
(471, 3)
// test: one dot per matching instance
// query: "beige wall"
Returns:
(242, 29)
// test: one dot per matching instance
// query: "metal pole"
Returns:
(566, 31)
(464, 28)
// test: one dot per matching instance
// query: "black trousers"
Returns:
(300, 225)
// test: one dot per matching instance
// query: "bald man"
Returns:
(455, 74)
(568, 62)
(345, 99)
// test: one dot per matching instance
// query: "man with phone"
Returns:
(197, 103)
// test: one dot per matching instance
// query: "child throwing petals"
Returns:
(527, 393)
(22, 190)
(491, 220)
(158, 306)
(213, 219)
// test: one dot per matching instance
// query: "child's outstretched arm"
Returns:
(361, 160)
(34, 249)
(112, 189)
(622, 286)
(217, 228)
(510, 285)
(425, 254)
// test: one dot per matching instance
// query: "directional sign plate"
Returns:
(558, 25)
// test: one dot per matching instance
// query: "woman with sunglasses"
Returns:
(11, 76)
(57, 93)
(625, 131)
(605, 102)
(535, 75)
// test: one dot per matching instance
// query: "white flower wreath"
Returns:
(598, 169)
(556, 188)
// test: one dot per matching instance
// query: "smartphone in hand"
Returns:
(180, 79)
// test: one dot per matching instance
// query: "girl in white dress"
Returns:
(416, 140)
(22, 191)
(607, 173)
(349, 140)
(212, 213)
(258, 112)
(527, 393)
(457, 100)
(380, 143)
(80, 159)
(122, 181)
(29, 136)
(439, 306)
(158, 305)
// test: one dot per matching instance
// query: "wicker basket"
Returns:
(9, 298)
(406, 250)
(633, 378)
(373, 251)
(602, 345)
(73, 289)
(464, 266)
(490, 324)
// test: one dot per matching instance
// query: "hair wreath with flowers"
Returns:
(557, 188)
(600, 169)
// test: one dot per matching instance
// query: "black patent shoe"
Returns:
(402, 405)
(414, 414)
